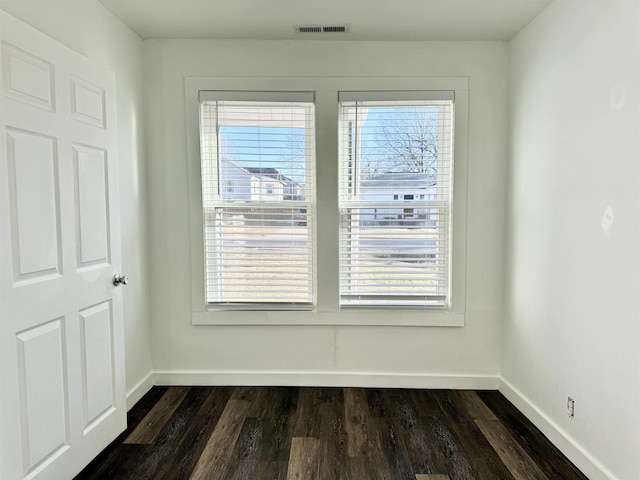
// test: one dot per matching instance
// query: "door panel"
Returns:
(27, 78)
(43, 392)
(61, 329)
(87, 102)
(33, 181)
(92, 200)
(97, 362)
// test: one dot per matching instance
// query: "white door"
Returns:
(62, 391)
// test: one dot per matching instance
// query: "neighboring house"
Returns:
(398, 187)
(235, 182)
(257, 183)
(293, 190)
(271, 180)
(268, 184)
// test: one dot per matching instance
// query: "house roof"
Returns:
(268, 172)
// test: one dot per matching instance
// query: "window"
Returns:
(258, 229)
(395, 253)
(311, 256)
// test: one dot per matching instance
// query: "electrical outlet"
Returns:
(570, 407)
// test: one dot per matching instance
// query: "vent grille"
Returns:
(322, 28)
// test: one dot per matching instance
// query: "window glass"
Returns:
(258, 228)
(395, 201)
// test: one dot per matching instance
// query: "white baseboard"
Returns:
(327, 379)
(139, 389)
(561, 439)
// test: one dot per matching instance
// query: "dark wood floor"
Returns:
(327, 433)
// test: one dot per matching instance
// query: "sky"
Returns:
(278, 147)
(283, 147)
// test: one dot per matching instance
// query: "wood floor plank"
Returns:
(186, 455)
(331, 395)
(424, 405)
(273, 470)
(365, 449)
(304, 459)
(216, 401)
(375, 402)
(244, 393)
(142, 408)
(113, 461)
(547, 456)
(188, 451)
(264, 403)
(477, 409)
(396, 403)
(151, 425)
(514, 457)
(360, 439)
(433, 434)
(485, 461)
(214, 461)
(279, 426)
(333, 442)
(117, 463)
(519, 463)
(459, 464)
(397, 463)
(417, 435)
(361, 468)
(153, 465)
(306, 423)
(246, 456)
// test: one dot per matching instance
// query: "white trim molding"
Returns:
(139, 389)
(575, 452)
(327, 379)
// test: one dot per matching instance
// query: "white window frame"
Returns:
(269, 198)
(326, 309)
(357, 279)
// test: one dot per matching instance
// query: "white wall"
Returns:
(572, 315)
(417, 356)
(88, 28)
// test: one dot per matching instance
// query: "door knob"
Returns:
(120, 279)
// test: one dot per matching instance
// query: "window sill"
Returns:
(351, 317)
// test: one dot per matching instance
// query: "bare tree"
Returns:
(407, 141)
(371, 165)
(294, 155)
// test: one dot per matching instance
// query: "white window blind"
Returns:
(257, 153)
(396, 153)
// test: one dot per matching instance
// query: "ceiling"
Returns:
(412, 20)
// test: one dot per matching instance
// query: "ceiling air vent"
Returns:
(322, 28)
